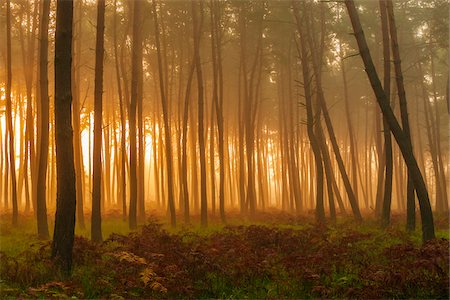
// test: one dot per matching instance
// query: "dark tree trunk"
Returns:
(198, 24)
(66, 193)
(442, 204)
(184, 182)
(402, 98)
(320, 214)
(123, 156)
(79, 168)
(386, 208)
(168, 141)
(216, 41)
(96, 220)
(136, 61)
(12, 162)
(41, 206)
(400, 136)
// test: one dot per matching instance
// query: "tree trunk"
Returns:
(123, 156)
(320, 214)
(79, 168)
(386, 208)
(96, 220)
(184, 179)
(216, 40)
(401, 95)
(141, 144)
(41, 206)
(12, 161)
(66, 193)
(136, 61)
(351, 132)
(442, 205)
(400, 136)
(198, 24)
(168, 141)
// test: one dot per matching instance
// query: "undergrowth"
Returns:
(237, 261)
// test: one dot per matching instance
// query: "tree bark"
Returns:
(198, 24)
(41, 206)
(123, 156)
(96, 220)
(136, 60)
(79, 168)
(402, 97)
(320, 214)
(216, 40)
(387, 196)
(12, 161)
(316, 63)
(168, 141)
(400, 136)
(66, 193)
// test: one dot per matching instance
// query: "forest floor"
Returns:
(272, 255)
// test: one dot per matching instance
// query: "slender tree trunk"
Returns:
(184, 180)
(28, 56)
(320, 214)
(386, 208)
(316, 63)
(351, 132)
(79, 168)
(198, 24)
(141, 146)
(216, 40)
(168, 142)
(400, 136)
(212, 165)
(96, 220)
(41, 206)
(123, 156)
(9, 121)
(401, 95)
(442, 205)
(136, 65)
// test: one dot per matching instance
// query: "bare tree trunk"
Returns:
(212, 165)
(43, 132)
(28, 56)
(136, 65)
(79, 168)
(351, 132)
(66, 192)
(442, 205)
(198, 24)
(401, 95)
(141, 142)
(216, 40)
(123, 156)
(12, 162)
(320, 214)
(401, 137)
(316, 63)
(184, 181)
(96, 220)
(168, 142)
(386, 208)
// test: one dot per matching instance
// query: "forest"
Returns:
(224, 149)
